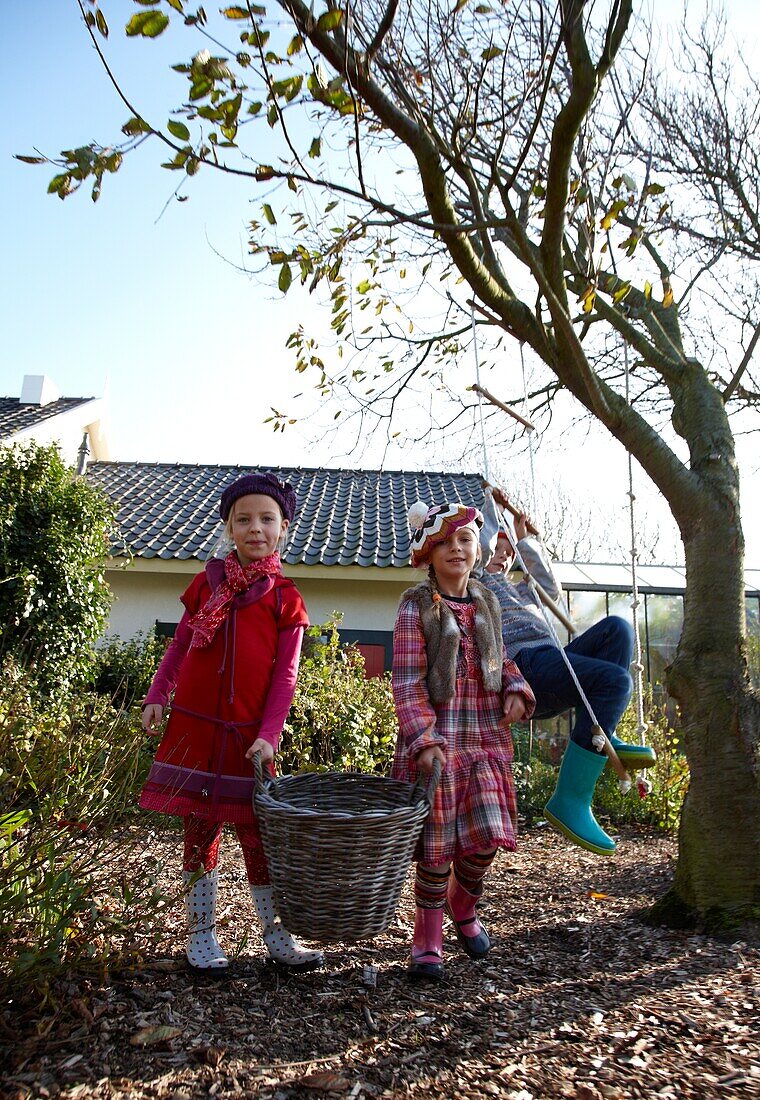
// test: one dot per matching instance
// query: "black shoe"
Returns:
(477, 947)
(425, 971)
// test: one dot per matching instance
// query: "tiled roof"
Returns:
(345, 517)
(15, 417)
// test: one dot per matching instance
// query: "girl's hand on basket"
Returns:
(427, 756)
(513, 706)
(262, 746)
(151, 717)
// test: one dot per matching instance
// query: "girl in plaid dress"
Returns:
(455, 696)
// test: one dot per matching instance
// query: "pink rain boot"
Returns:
(460, 906)
(427, 946)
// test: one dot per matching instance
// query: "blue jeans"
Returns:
(600, 657)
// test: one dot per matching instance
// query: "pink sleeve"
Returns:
(165, 679)
(283, 685)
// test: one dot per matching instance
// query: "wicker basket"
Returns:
(339, 845)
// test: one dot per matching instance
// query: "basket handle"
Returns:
(430, 787)
(258, 774)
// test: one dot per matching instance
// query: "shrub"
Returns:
(54, 597)
(124, 669)
(536, 775)
(339, 719)
(69, 773)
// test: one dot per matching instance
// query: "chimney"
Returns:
(37, 389)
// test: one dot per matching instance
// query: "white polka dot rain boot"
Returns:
(204, 955)
(281, 946)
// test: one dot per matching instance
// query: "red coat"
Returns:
(220, 697)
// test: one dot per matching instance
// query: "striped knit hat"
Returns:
(430, 526)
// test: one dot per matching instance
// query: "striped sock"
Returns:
(470, 871)
(430, 886)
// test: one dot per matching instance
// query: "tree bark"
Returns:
(717, 879)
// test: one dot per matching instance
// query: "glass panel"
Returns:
(620, 604)
(587, 608)
(753, 639)
(661, 576)
(664, 623)
(608, 576)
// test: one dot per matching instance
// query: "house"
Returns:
(348, 549)
(76, 424)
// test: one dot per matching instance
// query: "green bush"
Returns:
(54, 539)
(339, 719)
(536, 776)
(124, 669)
(69, 775)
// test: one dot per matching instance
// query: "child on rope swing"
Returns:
(232, 666)
(455, 695)
(601, 657)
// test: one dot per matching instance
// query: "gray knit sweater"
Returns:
(522, 623)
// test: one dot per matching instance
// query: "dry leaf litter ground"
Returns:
(578, 998)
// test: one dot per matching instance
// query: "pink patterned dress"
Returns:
(475, 808)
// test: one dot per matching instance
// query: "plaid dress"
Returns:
(474, 808)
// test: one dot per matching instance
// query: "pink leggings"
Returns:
(202, 848)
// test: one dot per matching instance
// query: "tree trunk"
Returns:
(717, 879)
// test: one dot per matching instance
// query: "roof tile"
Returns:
(171, 511)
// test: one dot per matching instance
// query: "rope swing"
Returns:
(643, 785)
(599, 739)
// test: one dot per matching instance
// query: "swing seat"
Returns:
(339, 846)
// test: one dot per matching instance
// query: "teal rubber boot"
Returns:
(634, 757)
(569, 808)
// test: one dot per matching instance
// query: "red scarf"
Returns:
(237, 578)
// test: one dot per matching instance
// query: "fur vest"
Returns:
(442, 638)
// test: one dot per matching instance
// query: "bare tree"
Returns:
(516, 163)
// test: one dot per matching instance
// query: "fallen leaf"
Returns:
(148, 1036)
(327, 1081)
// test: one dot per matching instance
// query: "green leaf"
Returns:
(254, 108)
(178, 129)
(100, 22)
(285, 278)
(149, 24)
(329, 20)
(315, 149)
(200, 88)
(654, 189)
(295, 45)
(235, 13)
(269, 214)
(364, 287)
(176, 4)
(491, 53)
(30, 160)
(135, 126)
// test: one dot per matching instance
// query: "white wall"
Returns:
(150, 589)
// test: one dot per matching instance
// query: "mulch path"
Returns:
(578, 998)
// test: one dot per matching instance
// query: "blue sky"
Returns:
(118, 293)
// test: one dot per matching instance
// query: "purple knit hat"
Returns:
(266, 484)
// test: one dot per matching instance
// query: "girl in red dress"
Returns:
(232, 665)
(455, 695)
